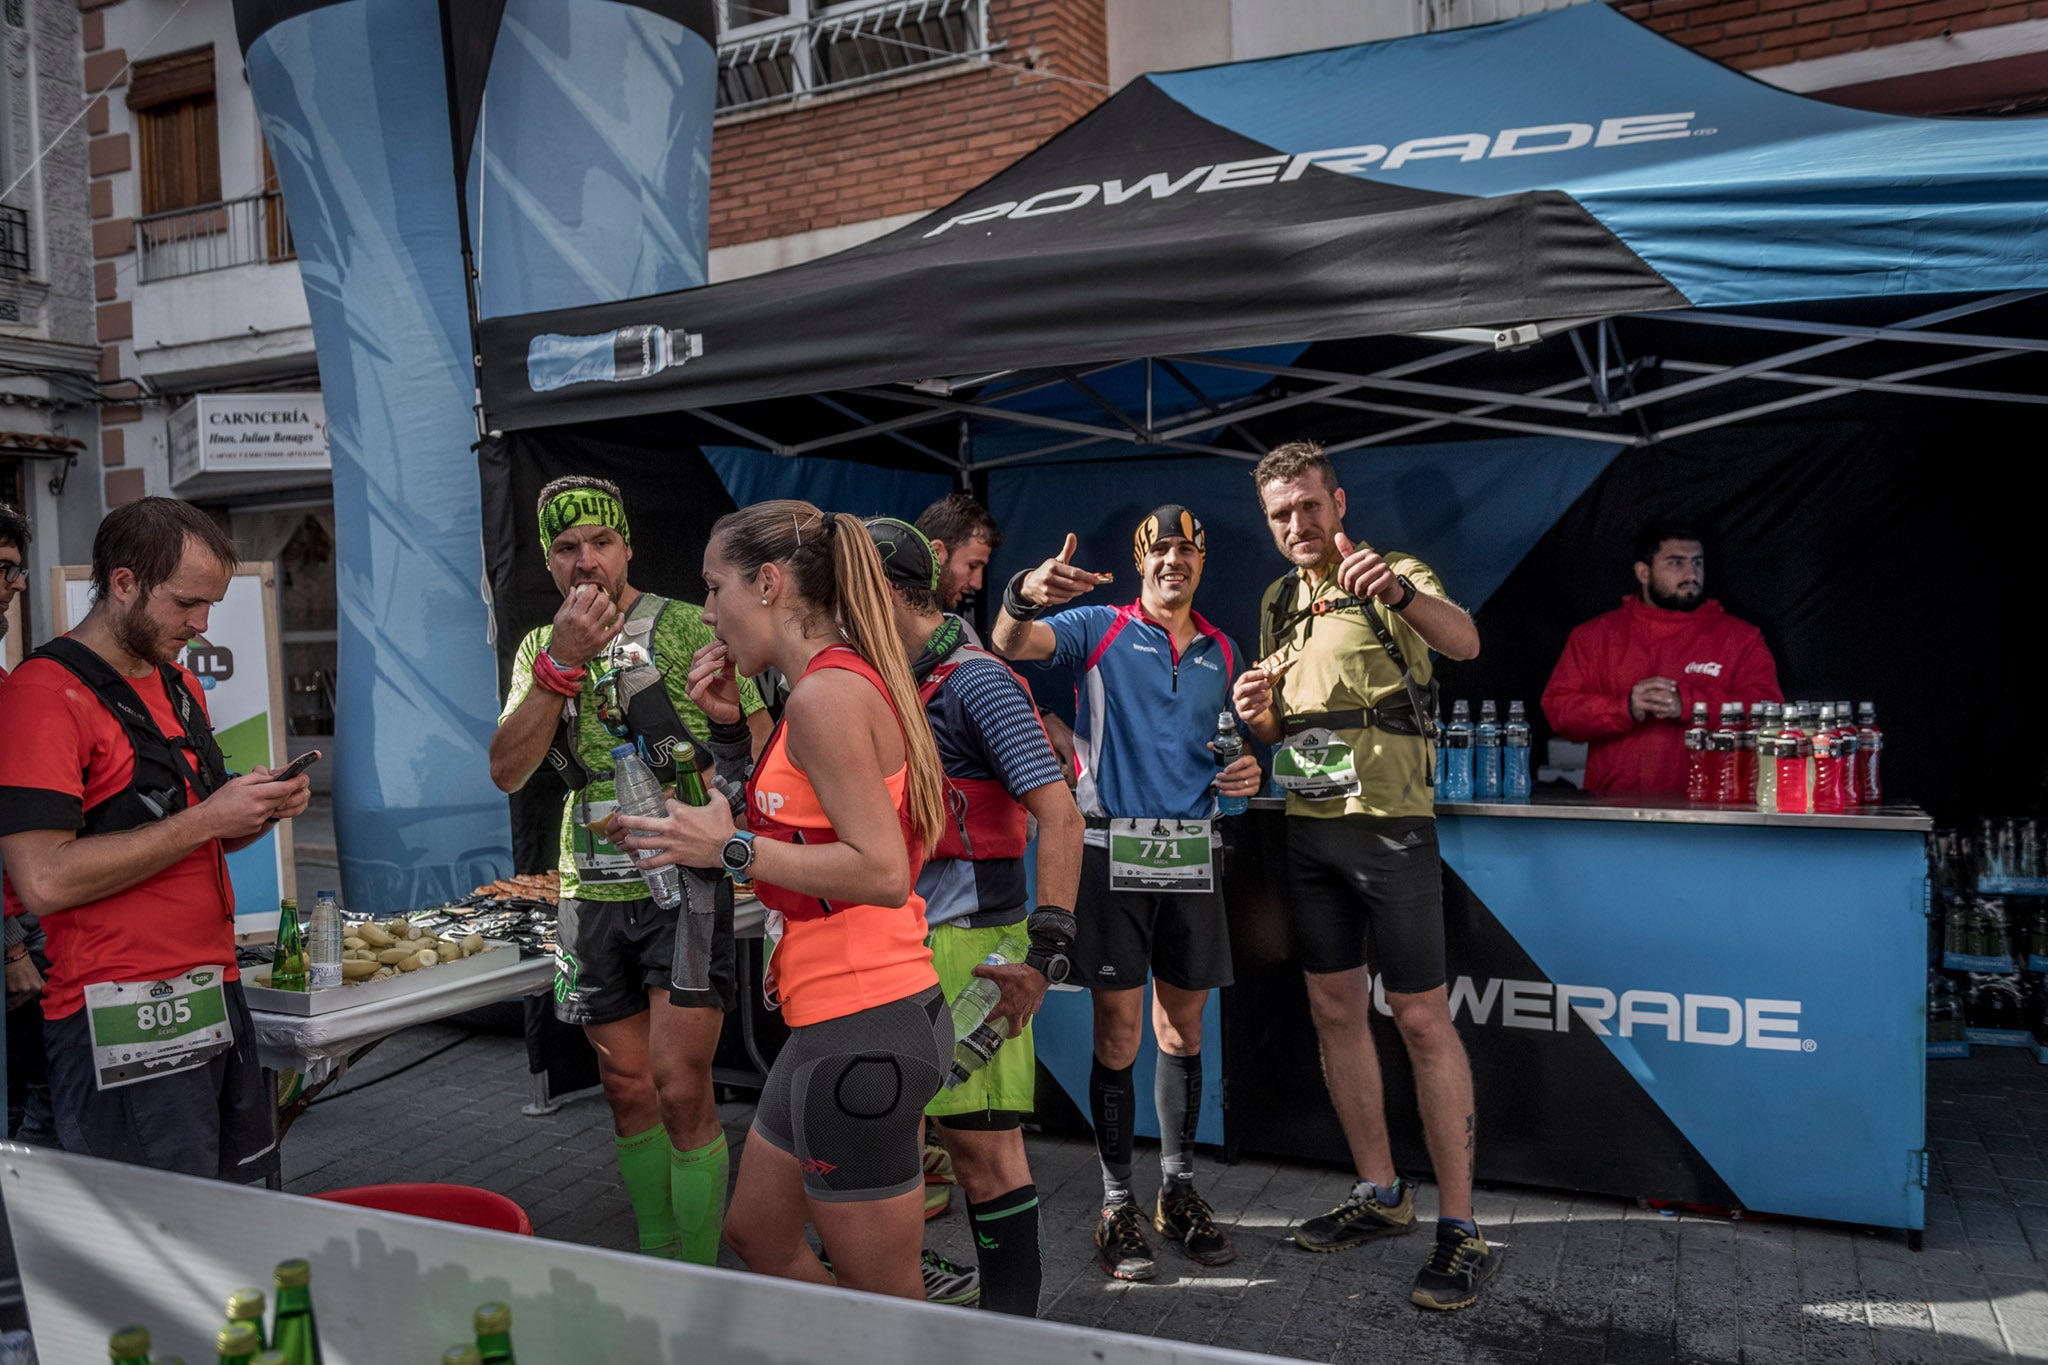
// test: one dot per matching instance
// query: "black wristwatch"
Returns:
(737, 853)
(1407, 593)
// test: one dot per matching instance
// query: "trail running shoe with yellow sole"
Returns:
(1457, 1266)
(1359, 1219)
(1187, 1220)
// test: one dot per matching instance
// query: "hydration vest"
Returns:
(651, 715)
(794, 905)
(986, 823)
(157, 789)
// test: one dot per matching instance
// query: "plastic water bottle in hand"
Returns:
(1229, 747)
(640, 794)
(323, 943)
(975, 1036)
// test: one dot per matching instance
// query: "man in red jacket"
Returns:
(1629, 679)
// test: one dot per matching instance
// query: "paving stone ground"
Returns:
(1586, 1280)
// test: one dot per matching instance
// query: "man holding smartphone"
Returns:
(117, 815)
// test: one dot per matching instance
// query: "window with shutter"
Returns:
(178, 131)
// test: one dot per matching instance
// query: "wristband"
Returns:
(1407, 593)
(21, 956)
(721, 733)
(550, 674)
(1020, 607)
(1052, 931)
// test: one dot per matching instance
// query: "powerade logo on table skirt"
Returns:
(1705, 1020)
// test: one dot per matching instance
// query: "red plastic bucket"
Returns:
(464, 1204)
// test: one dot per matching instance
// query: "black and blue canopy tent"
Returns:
(1527, 249)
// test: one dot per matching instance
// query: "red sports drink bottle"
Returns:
(1793, 756)
(1745, 754)
(1827, 763)
(1724, 770)
(1869, 749)
(1846, 747)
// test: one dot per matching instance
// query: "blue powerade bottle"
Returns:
(1486, 755)
(1457, 783)
(1514, 757)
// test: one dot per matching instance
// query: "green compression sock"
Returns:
(696, 1191)
(644, 1164)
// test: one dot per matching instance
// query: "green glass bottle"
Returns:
(288, 965)
(463, 1354)
(494, 1334)
(129, 1346)
(292, 1332)
(246, 1305)
(238, 1343)
(689, 781)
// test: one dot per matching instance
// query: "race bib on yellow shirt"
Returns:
(1315, 765)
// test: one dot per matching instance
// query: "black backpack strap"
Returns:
(158, 787)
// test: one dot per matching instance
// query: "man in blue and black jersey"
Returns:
(1154, 678)
(1000, 774)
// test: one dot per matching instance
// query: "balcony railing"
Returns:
(847, 46)
(14, 257)
(247, 231)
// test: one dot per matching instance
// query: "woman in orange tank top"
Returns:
(847, 795)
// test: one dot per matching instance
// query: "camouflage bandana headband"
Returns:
(582, 507)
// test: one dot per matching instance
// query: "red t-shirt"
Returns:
(65, 753)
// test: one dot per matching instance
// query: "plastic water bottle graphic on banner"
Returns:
(554, 361)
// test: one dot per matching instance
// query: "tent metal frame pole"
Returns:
(1394, 384)
(1842, 339)
(1891, 383)
(1209, 404)
(752, 437)
(869, 427)
(1037, 420)
(1335, 383)
(1417, 428)
(897, 436)
(1492, 423)
(1900, 331)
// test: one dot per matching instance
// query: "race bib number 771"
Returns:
(1160, 855)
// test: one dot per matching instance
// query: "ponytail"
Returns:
(835, 568)
(866, 616)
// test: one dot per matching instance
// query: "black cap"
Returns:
(907, 558)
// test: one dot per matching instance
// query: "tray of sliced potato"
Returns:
(381, 959)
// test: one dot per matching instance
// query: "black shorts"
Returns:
(615, 952)
(218, 1121)
(1354, 878)
(846, 1097)
(1182, 939)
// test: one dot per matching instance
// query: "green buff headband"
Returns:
(582, 507)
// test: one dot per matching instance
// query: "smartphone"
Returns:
(297, 766)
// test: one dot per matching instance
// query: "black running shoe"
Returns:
(1186, 1218)
(1120, 1247)
(1458, 1265)
(1359, 1219)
